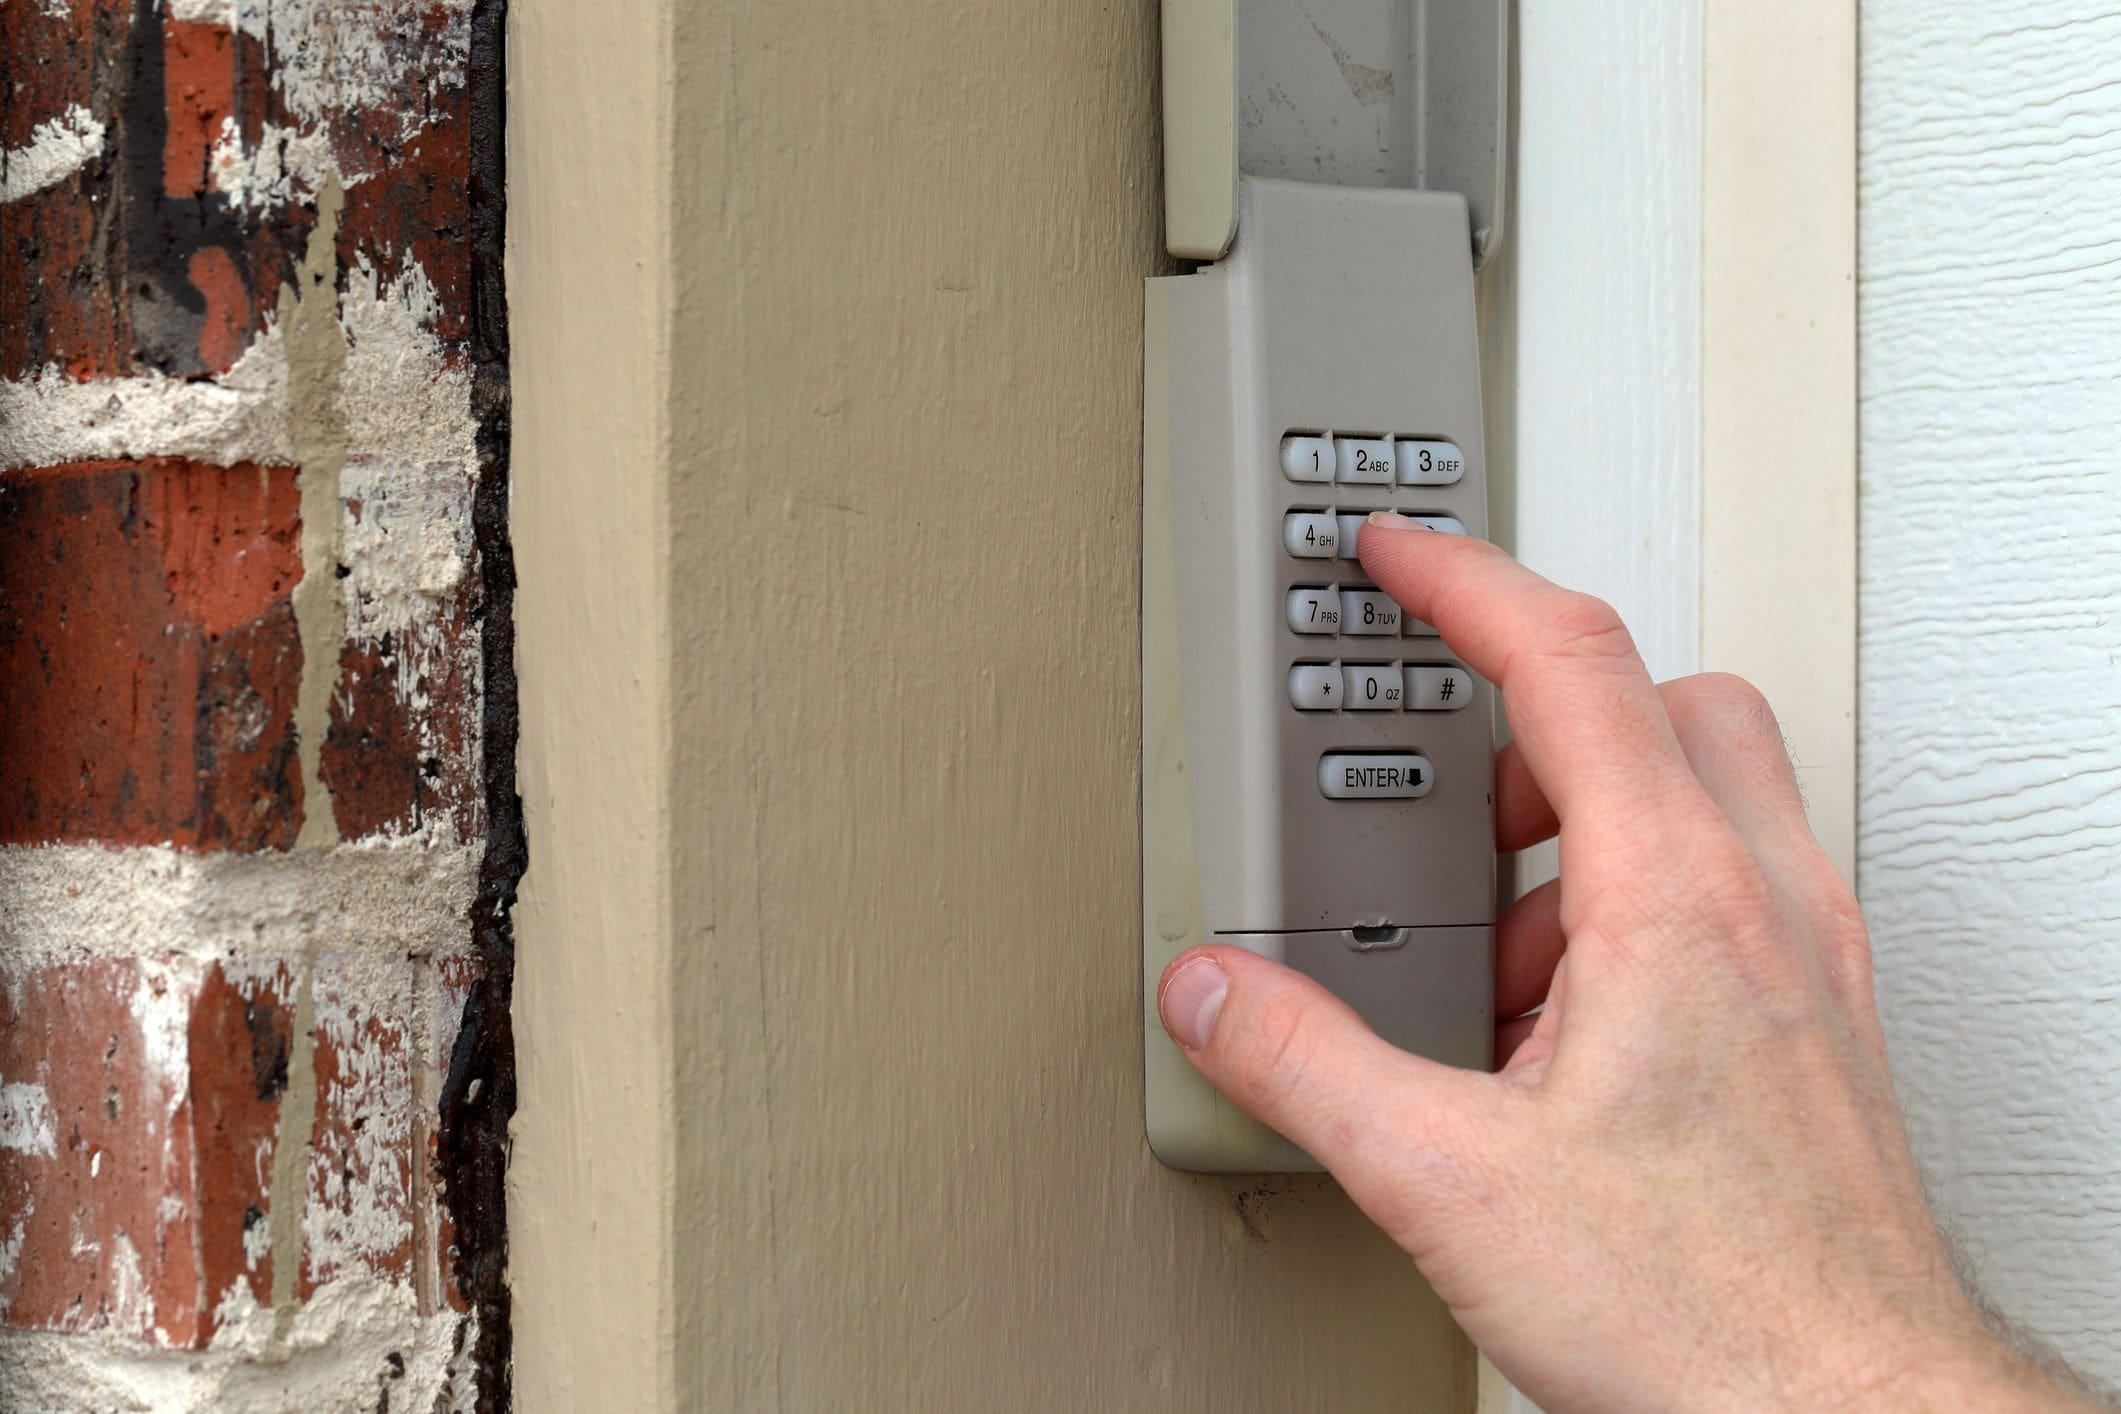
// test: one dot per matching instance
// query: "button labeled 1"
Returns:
(1307, 458)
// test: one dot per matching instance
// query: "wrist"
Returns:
(1967, 1365)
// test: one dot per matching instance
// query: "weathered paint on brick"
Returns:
(166, 252)
(160, 415)
(139, 1112)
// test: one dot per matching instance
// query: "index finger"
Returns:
(1581, 703)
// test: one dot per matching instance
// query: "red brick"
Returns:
(160, 1086)
(150, 654)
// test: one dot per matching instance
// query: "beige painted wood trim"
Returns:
(1778, 428)
(591, 1179)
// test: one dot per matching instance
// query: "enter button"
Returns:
(1374, 775)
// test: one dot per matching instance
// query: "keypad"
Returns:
(1326, 539)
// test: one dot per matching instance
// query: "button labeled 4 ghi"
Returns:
(1311, 535)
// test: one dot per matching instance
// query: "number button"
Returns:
(1307, 458)
(1366, 460)
(1368, 611)
(1350, 527)
(1430, 464)
(1310, 535)
(1314, 610)
(1314, 687)
(1372, 688)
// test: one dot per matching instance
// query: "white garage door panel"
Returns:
(1990, 813)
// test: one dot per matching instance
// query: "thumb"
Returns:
(1295, 1057)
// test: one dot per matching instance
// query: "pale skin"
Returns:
(1688, 1186)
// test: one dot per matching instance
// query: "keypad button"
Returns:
(1308, 458)
(1365, 460)
(1374, 775)
(1314, 610)
(1426, 463)
(1372, 687)
(1368, 611)
(1315, 687)
(1417, 629)
(1450, 525)
(1310, 535)
(1437, 687)
(1350, 526)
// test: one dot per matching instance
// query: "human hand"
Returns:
(1688, 1185)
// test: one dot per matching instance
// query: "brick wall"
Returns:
(258, 837)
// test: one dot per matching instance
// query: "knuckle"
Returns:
(1730, 706)
(1585, 626)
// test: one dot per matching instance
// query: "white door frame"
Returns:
(1671, 342)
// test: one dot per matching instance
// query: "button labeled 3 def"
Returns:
(1426, 463)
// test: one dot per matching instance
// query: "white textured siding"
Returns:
(1990, 815)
